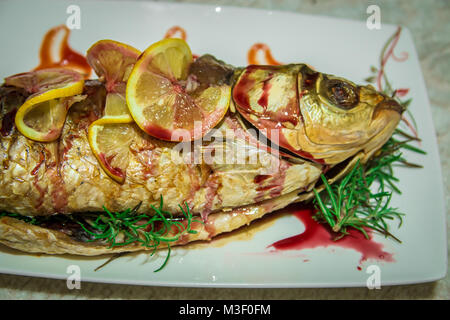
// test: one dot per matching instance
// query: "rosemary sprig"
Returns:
(128, 227)
(27, 219)
(124, 228)
(361, 200)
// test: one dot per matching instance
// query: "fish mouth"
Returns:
(390, 104)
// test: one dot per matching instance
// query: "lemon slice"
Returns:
(110, 140)
(111, 136)
(165, 102)
(53, 92)
(112, 61)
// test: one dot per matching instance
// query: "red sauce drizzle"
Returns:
(266, 118)
(389, 53)
(317, 235)
(253, 53)
(174, 31)
(41, 161)
(401, 92)
(68, 58)
(260, 178)
(68, 144)
(41, 192)
(178, 32)
(275, 186)
(264, 99)
(278, 180)
(211, 185)
(58, 193)
(240, 92)
(195, 184)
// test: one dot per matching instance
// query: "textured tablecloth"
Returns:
(429, 22)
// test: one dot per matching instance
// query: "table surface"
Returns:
(429, 24)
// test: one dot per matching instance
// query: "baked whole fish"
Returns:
(294, 123)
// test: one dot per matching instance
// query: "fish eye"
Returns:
(341, 93)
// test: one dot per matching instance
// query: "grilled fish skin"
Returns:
(65, 177)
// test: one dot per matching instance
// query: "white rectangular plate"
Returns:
(341, 47)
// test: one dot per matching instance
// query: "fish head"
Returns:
(315, 115)
(338, 113)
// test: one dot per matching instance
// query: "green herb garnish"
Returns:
(123, 228)
(128, 227)
(27, 219)
(362, 198)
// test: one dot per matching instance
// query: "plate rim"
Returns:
(439, 274)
